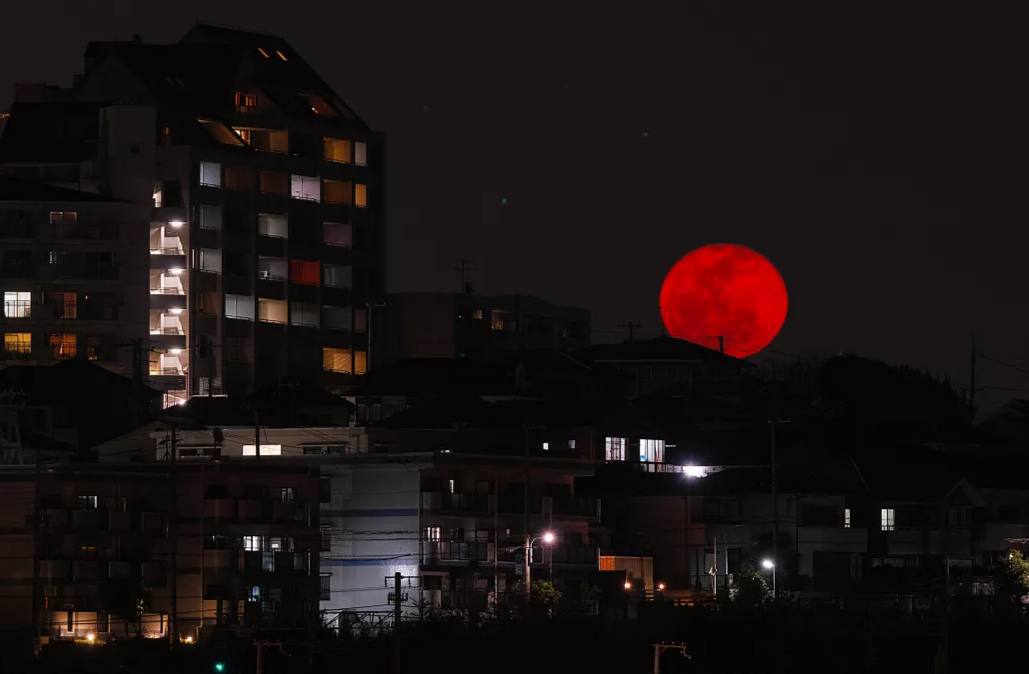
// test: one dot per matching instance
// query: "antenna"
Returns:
(462, 269)
(631, 327)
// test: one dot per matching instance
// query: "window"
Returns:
(209, 216)
(87, 502)
(239, 178)
(451, 486)
(271, 311)
(571, 444)
(63, 346)
(252, 543)
(266, 450)
(338, 234)
(18, 342)
(282, 57)
(336, 276)
(307, 188)
(432, 534)
(239, 307)
(652, 451)
(64, 305)
(287, 494)
(264, 140)
(64, 217)
(846, 518)
(318, 105)
(340, 192)
(303, 272)
(17, 304)
(360, 362)
(477, 314)
(304, 314)
(325, 584)
(360, 321)
(546, 446)
(272, 225)
(336, 360)
(245, 102)
(336, 318)
(271, 268)
(273, 182)
(614, 449)
(888, 519)
(336, 149)
(360, 195)
(263, 52)
(210, 174)
(211, 260)
(497, 319)
(361, 153)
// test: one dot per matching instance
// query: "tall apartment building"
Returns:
(264, 195)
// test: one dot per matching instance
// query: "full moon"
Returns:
(724, 290)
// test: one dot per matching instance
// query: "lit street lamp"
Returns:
(769, 564)
(548, 538)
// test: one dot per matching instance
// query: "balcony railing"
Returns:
(466, 502)
(458, 551)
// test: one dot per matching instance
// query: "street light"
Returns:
(628, 585)
(548, 538)
(769, 564)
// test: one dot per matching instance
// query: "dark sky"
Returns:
(877, 155)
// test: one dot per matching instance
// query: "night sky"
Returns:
(876, 156)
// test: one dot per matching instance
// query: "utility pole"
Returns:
(631, 327)
(397, 597)
(173, 533)
(971, 385)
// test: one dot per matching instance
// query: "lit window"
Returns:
(17, 304)
(338, 234)
(360, 195)
(272, 225)
(287, 494)
(336, 149)
(252, 543)
(264, 140)
(361, 153)
(240, 307)
(64, 217)
(282, 57)
(452, 486)
(209, 216)
(497, 319)
(336, 360)
(614, 449)
(245, 102)
(65, 305)
(477, 314)
(210, 174)
(571, 444)
(271, 311)
(87, 502)
(432, 533)
(271, 268)
(652, 451)
(301, 313)
(336, 276)
(210, 260)
(360, 362)
(303, 272)
(18, 342)
(266, 450)
(63, 346)
(887, 518)
(263, 52)
(546, 446)
(307, 188)
(339, 192)
(846, 518)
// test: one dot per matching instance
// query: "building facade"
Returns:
(264, 196)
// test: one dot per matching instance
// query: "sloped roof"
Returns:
(656, 349)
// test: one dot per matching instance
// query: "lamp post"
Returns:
(548, 538)
(770, 565)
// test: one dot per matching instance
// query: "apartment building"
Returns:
(264, 197)
(73, 282)
(109, 551)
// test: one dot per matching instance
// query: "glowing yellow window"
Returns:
(335, 360)
(360, 195)
(18, 342)
(63, 346)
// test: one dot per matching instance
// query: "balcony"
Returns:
(167, 284)
(168, 324)
(458, 551)
(574, 507)
(476, 503)
(54, 569)
(220, 509)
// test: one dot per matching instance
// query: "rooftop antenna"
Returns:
(631, 327)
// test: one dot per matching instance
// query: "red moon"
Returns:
(727, 290)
